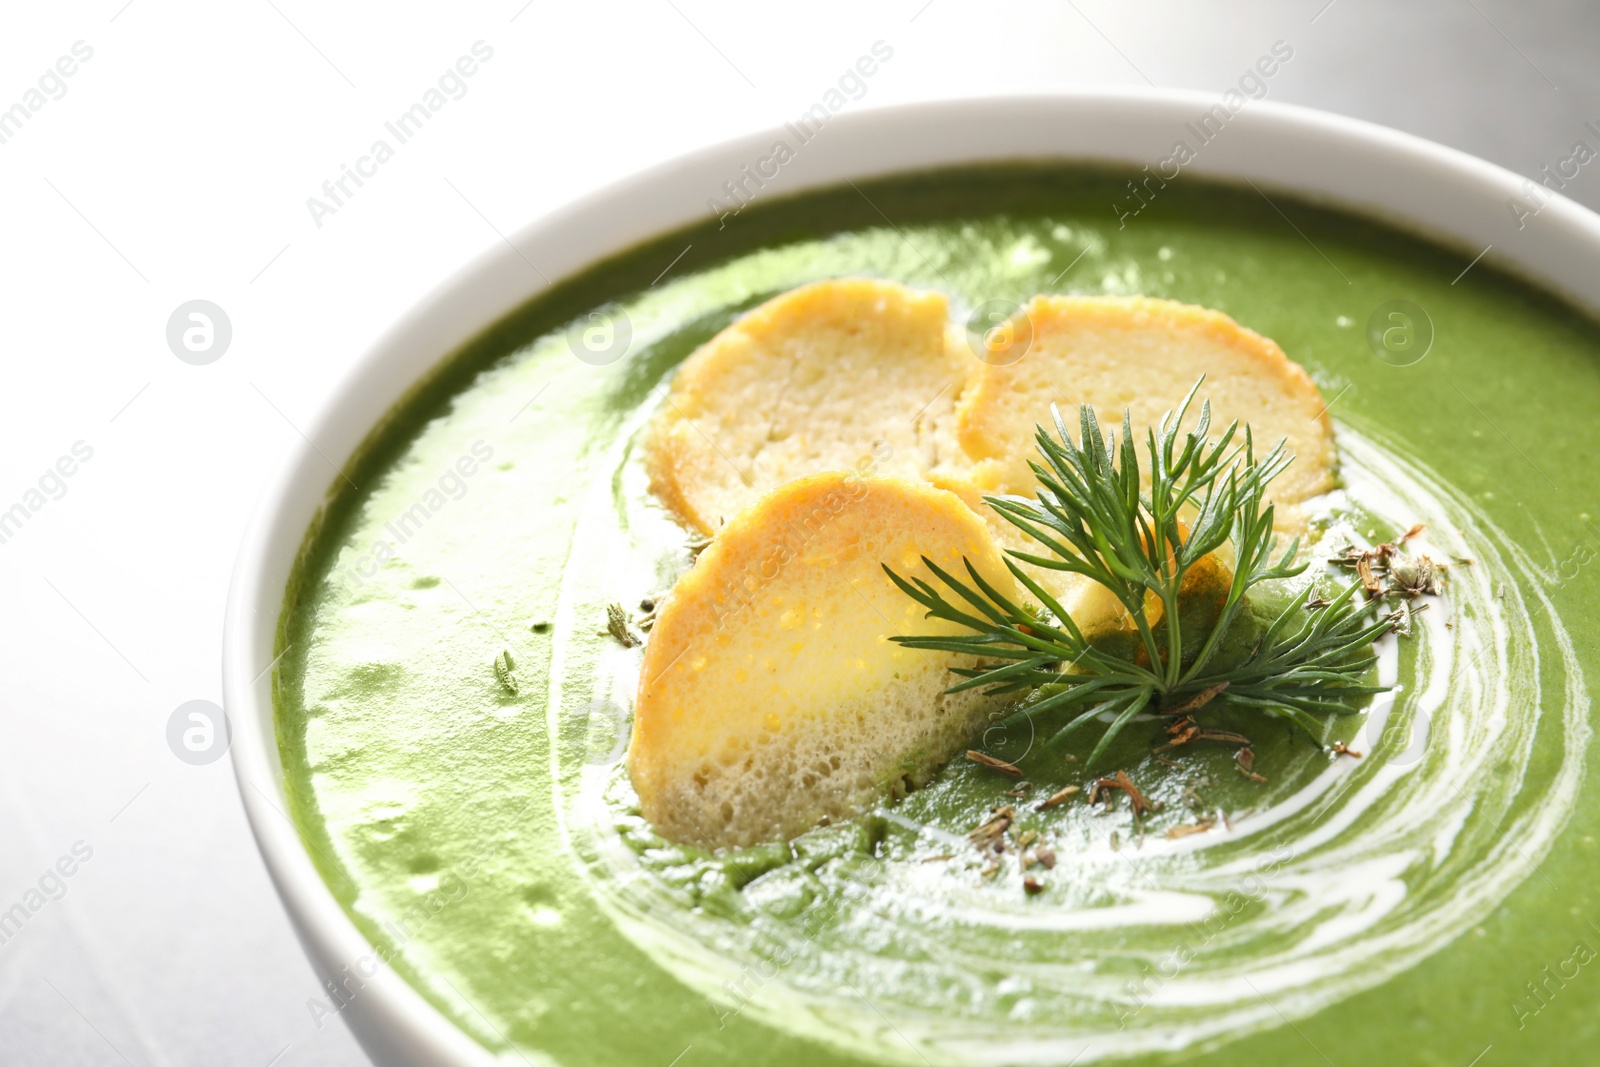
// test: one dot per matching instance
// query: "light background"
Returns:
(177, 166)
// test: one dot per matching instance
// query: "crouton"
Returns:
(771, 697)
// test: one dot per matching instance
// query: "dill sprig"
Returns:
(1098, 516)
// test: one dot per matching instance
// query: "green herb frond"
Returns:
(1140, 532)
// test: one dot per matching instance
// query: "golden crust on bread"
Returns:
(771, 697)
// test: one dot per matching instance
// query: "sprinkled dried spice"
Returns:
(1389, 569)
(1415, 576)
(1186, 730)
(505, 670)
(1245, 761)
(651, 607)
(617, 627)
(1060, 796)
(990, 835)
(993, 764)
(1103, 786)
(1199, 700)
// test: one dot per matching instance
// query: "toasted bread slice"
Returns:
(848, 374)
(771, 698)
(1141, 354)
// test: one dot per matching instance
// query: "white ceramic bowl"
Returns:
(1420, 186)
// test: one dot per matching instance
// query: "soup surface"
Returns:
(453, 712)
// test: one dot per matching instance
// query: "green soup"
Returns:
(452, 712)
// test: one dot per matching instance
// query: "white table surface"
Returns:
(176, 165)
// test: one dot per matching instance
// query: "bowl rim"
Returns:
(1443, 194)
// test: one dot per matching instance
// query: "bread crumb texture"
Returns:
(771, 698)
